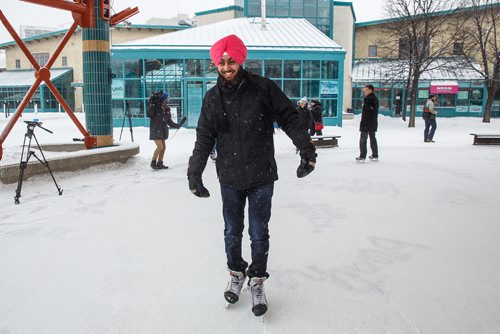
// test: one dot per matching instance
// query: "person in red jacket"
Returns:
(238, 113)
(317, 115)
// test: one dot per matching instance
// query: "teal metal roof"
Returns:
(395, 70)
(120, 26)
(219, 10)
(34, 38)
(26, 78)
(442, 12)
(283, 34)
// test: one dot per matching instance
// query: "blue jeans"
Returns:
(428, 135)
(259, 213)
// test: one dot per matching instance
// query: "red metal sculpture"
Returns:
(83, 15)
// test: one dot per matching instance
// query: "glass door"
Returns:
(194, 99)
(398, 102)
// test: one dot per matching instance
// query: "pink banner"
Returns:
(444, 89)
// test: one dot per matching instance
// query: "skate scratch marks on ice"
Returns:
(365, 273)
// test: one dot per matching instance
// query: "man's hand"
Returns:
(196, 186)
(306, 166)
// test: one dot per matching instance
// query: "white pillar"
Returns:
(36, 108)
(59, 107)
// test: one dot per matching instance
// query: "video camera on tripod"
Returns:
(33, 124)
(27, 153)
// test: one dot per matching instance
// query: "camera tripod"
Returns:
(128, 115)
(29, 135)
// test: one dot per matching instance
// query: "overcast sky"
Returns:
(23, 13)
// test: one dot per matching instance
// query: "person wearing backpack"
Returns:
(161, 119)
(238, 113)
(429, 116)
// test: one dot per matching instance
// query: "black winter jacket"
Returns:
(369, 116)
(240, 118)
(161, 119)
(306, 119)
(317, 113)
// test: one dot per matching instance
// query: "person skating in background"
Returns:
(368, 125)
(238, 113)
(317, 115)
(160, 121)
(429, 116)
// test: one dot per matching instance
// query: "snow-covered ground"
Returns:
(410, 244)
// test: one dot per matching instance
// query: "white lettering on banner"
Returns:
(117, 89)
(444, 89)
(329, 89)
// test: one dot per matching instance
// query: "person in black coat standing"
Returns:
(305, 116)
(368, 125)
(161, 119)
(238, 113)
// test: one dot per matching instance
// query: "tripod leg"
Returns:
(46, 164)
(22, 168)
(130, 126)
(123, 124)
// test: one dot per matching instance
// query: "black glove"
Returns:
(306, 166)
(183, 120)
(196, 186)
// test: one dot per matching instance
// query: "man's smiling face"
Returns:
(228, 68)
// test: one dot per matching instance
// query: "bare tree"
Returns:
(480, 38)
(419, 32)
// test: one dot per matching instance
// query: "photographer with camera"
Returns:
(161, 120)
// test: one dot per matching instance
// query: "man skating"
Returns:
(238, 113)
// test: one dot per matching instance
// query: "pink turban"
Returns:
(233, 46)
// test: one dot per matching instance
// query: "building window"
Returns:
(315, 11)
(64, 61)
(254, 66)
(411, 47)
(273, 69)
(18, 63)
(372, 51)
(41, 58)
(458, 49)
(330, 70)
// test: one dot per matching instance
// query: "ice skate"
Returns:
(234, 286)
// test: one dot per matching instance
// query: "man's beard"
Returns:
(233, 77)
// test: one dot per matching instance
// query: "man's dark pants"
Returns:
(429, 123)
(373, 144)
(259, 213)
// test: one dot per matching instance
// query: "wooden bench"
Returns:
(486, 139)
(325, 141)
